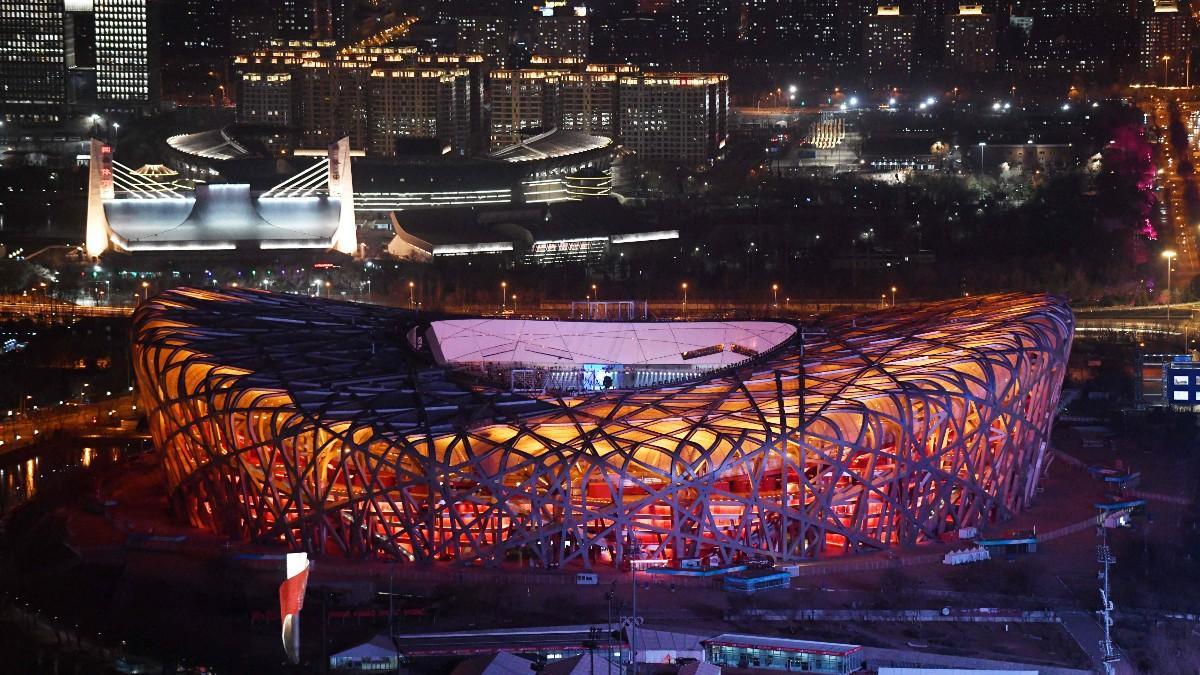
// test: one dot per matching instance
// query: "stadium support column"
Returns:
(100, 188)
(341, 186)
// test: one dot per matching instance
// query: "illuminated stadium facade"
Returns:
(366, 431)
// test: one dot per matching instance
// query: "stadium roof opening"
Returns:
(565, 343)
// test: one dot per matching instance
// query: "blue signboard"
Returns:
(1182, 383)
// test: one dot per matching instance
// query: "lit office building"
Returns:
(1164, 44)
(970, 40)
(674, 117)
(524, 103)
(888, 42)
(32, 60)
(561, 30)
(486, 36)
(126, 54)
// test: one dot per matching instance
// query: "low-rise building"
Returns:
(736, 650)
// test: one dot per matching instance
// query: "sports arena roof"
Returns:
(156, 171)
(212, 144)
(222, 216)
(552, 144)
(334, 427)
(134, 211)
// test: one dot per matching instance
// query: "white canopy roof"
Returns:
(574, 343)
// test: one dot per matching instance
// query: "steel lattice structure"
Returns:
(319, 424)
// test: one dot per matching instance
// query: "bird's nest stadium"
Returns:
(365, 431)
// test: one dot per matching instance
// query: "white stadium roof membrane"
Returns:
(575, 343)
(219, 216)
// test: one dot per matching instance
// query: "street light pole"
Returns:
(503, 295)
(893, 296)
(633, 623)
(685, 299)
(1170, 256)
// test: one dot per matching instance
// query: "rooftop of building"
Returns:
(784, 644)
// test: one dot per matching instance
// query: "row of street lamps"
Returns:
(595, 296)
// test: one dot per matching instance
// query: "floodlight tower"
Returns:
(1105, 557)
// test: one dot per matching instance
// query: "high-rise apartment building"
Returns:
(524, 102)
(561, 30)
(126, 54)
(197, 27)
(1066, 38)
(929, 32)
(638, 40)
(674, 117)
(251, 26)
(1164, 44)
(888, 42)
(487, 36)
(818, 35)
(587, 101)
(266, 98)
(970, 40)
(32, 60)
(417, 103)
(375, 95)
(296, 19)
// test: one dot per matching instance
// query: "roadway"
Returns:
(1175, 224)
(54, 310)
(19, 430)
(1177, 324)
